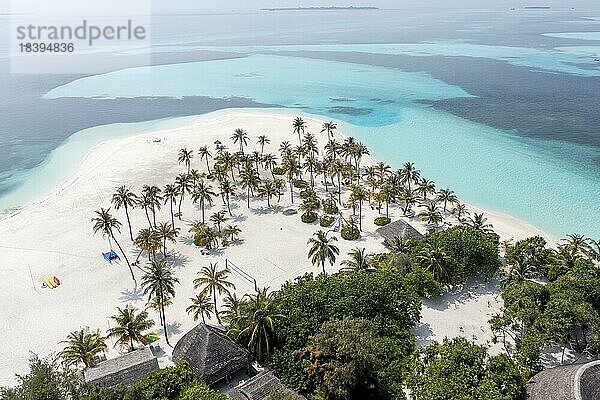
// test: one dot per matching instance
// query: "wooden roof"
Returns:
(566, 382)
(212, 355)
(400, 229)
(260, 387)
(123, 370)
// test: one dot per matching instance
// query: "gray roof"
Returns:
(123, 370)
(400, 229)
(566, 382)
(212, 355)
(261, 387)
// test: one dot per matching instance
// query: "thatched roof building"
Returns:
(124, 370)
(212, 355)
(566, 382)
(260, 387)
(400, 229)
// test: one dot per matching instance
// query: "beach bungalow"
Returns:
(261, 387)
(400, 229)
(212, 355)
(566, 382)
(124, 370)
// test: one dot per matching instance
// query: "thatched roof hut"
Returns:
(261, 387)
(124, 370)
(212, 355)
(566, 382)
(400, 229)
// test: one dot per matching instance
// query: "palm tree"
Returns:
(218, 219)
(299, 126)
(459, 210)
(82, 347)
(205, 236)
(322, 250)
(447, 196)
(310, 165)
(203, 194)
(240, 136)
(434, 259)
(170, 193)
(407, 196)
(185, 157)
(337, 169)
(200, 307)
(204, 153)
(233, 306)
(249, 180)
(359, 260)
(183, 183)
(107, 224)
(148, 240)
(262, 141)
(329, 127)
(130, 326)
(387, 195)
(213, 281)
(255, 324)
(519, 270)
(270, 162)
(267, 190)
(359, 195)
(431, 214)
(425, 187)
(332, 149)
(226, 191)
(410, 173)
(577, 244)
(145, 202)
(159, 282)
(123, 197)
(152, 199)
(291, 168)
(232, 231)
(166, 231)
(478, 221)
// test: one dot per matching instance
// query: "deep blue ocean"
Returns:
(501, 106)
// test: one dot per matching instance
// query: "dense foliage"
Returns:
(47, 380)
(381, 221)
(457, 369)
(551, 298)
(309, 217)
(350, 232)
(326, 221)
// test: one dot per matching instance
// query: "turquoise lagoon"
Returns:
(545, 183)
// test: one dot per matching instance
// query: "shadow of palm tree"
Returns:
(238, 218)
(178, 259)
(174, 328)
(132, 295)
(263, 210)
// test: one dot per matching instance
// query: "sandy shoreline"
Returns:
(54, 237)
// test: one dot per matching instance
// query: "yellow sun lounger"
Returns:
(52, 282)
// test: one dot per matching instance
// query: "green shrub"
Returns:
(167, 382)
(326, 221)
(350, 232)
(330, 208)
(278, 171)
(381, 221)
(300, 184)
(309, 217)
(200, 391)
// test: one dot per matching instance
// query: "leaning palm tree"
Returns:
(204, 153)
(213, 282)
(446, 196)
(240, 136)
(166, 232)
(185, 157)
(201, 307)
(184, 185)
(478, 221)
(82, 347)
(322, 250)
(329, 127)
(104, 222)
(459, 210)
(435, 259)
(123, 197)
(255, 325)
(159, 282)
(170, 194)
(359, 261)
(262, 141)
(431, 214)
(148, 240)
(203, 194)
(130, 327)
(153, 198)
(299, 126)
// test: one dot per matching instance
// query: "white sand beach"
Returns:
(53, 237)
